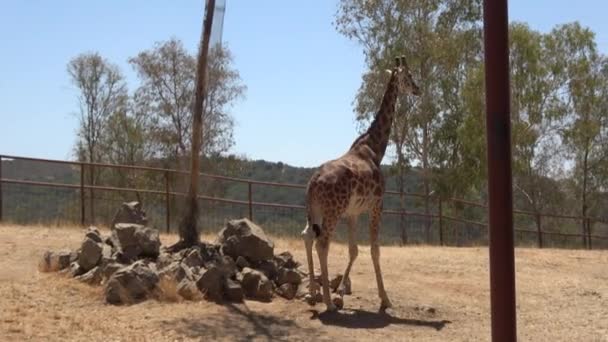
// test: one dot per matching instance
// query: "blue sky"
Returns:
(301, 74)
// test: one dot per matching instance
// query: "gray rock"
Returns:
(193, 258)
(188, 290)
(108, 241)
(54, 261)
(242, 262)
(93, 234)
(177, 271)
(227, 266)
(75, 270)
(132, 283)
(245, 238)
(269, 268)
(164, 260)
(288, 276)
(92, 277)
(130, 212)
(108, 269)
(90, 254)
(255, 284)
(233, 291)
(210, 283)
(135, 241)
(287, 291)
(285, 260)
(106, 252)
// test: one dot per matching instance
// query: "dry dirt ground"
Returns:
(562, 296)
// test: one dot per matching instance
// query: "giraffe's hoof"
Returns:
(386, 304)
(338, 301)
(313, 299)
(331, 307)
(310, 299)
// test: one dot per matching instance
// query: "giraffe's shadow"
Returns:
(362, 319)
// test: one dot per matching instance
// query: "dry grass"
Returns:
(562, 296)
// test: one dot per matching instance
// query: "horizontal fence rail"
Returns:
(434, 225)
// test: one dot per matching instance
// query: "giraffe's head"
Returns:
(405, 82)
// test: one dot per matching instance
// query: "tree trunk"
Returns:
(188, 228)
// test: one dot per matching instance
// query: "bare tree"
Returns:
(101, 92)
(188, 227)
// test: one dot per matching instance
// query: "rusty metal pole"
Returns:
(498, 134)
(1, 189)
(440, 222)
(82, 204)
(250, 199)
(167, 202)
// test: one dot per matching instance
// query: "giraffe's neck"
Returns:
(377, 135)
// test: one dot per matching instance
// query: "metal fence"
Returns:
(74, 192)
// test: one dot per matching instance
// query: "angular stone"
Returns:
(188, 290)
(75, 269)
(108, 269)
(164, 260)
(227, 266)
(233, 291)
(135, 241)
(54, 261)
(177, 271)
(269, 268)
(210, 283)
(287, 291)
(193, 258)
(285, 260)
(93, 234)
(242, 262)
(288, 276)
(90, 254)
(245, 238)
(92, 277)
(130, 212)
(132, 283)
(255, 284)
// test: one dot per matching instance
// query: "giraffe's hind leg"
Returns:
(309, 236)
(322, 245)
(353, 251)
(374, 228)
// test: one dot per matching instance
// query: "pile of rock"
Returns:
(132, 265)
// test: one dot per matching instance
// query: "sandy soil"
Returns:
(562, 296)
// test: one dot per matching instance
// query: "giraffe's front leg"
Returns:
(374, 228)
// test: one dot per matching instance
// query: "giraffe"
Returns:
(350, 185)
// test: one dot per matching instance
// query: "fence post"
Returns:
(584, 233)
(440, 222)
(82, 194)
(167, 202)
(0, 188)
(589, 232)
(250, 198)
(539, 230)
